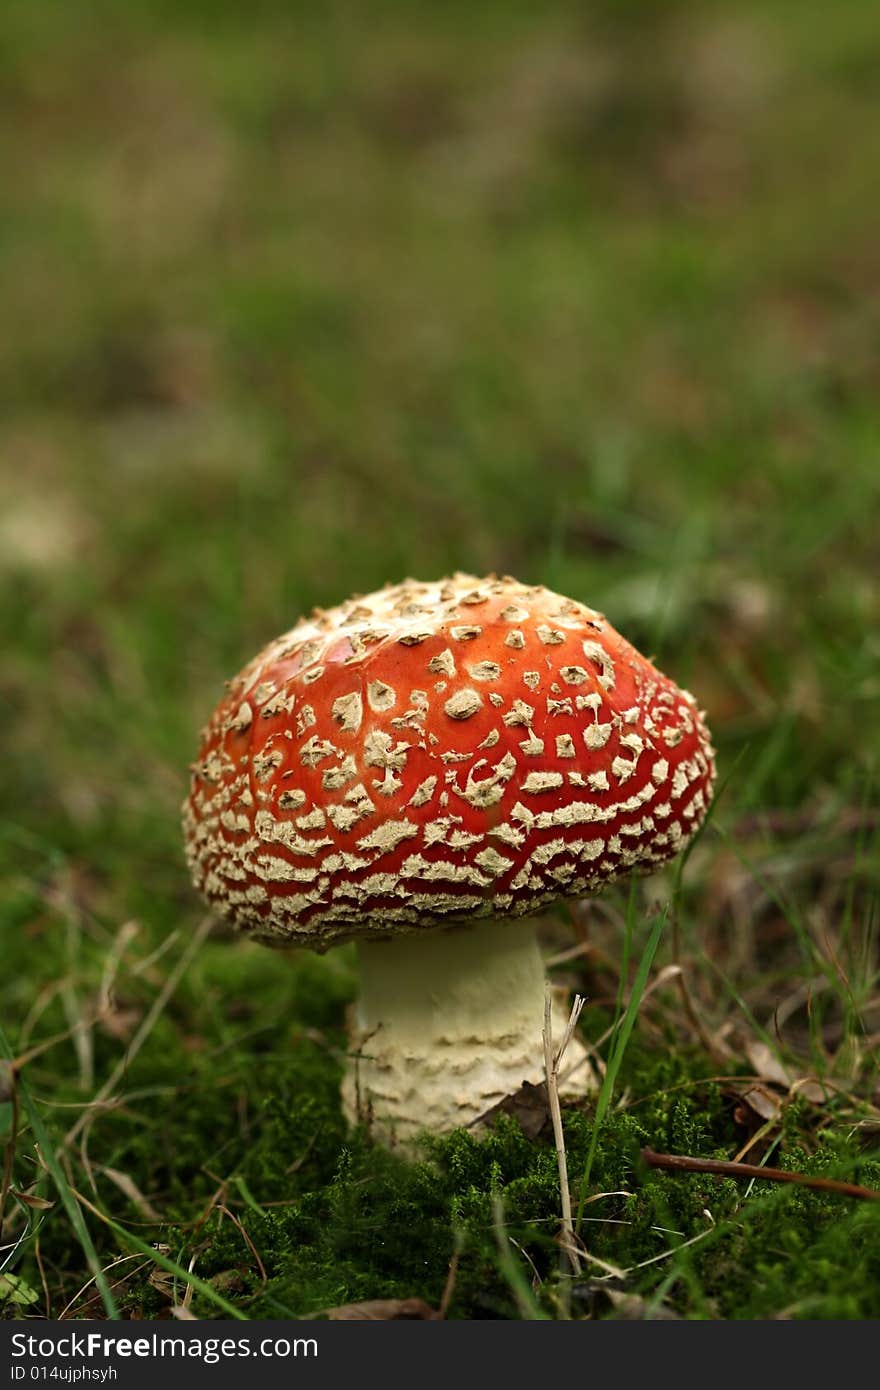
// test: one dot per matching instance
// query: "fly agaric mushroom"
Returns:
(415, 769)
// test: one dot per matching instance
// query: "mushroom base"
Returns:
(447, 1025)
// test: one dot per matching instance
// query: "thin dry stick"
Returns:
(83, 1038)
(449, 1286)
(248, 1242)
(724, 1169)
(113, 964)
(669, 972)
(551, 1067)
(190, 1288)
(709, 1043)
(123, 1259)
(766, 1128)
(145, 1029)
(47, 1298)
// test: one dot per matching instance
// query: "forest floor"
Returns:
(298, 301)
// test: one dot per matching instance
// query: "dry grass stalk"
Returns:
(449, 1286)
(123, 1259)
(145, 1028)
(552, 1061)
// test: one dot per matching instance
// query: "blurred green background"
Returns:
(299, 298)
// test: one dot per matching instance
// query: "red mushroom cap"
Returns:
(434, 752)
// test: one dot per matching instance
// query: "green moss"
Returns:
(353, 1221)
(240, 1143)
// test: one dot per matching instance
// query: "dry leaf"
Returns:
(769, 1068)
(162, 1281)
(38, 1203)
(159, 1278)
(382, 1310)
(766, 1064)
(528, 1105)
(631, 1307)
(766, 1104)
(129, 1187)
(811, 1090)
(628, 1307)
(120, 1022)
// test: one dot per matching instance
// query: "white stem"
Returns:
(448, 1024)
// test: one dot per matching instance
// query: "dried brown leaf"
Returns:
(763, 1102)
(529, 1106)
(595, 1294)
(766, 1064)
(382, 1310)
(120, 1023)
(631, 1307)
(811, 1090)
(162, 1282)
(130, 1189)
(37, 1203)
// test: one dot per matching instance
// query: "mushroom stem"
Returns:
(447, 1025)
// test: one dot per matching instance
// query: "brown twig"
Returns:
(721, 1168)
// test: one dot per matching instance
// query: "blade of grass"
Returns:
(690, 1008)
(68, 1200)
(813, 959)
(708, 820)
(516, 1280)
(172, 1267)
(620, 1039)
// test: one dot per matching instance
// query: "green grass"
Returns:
(301, 299)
